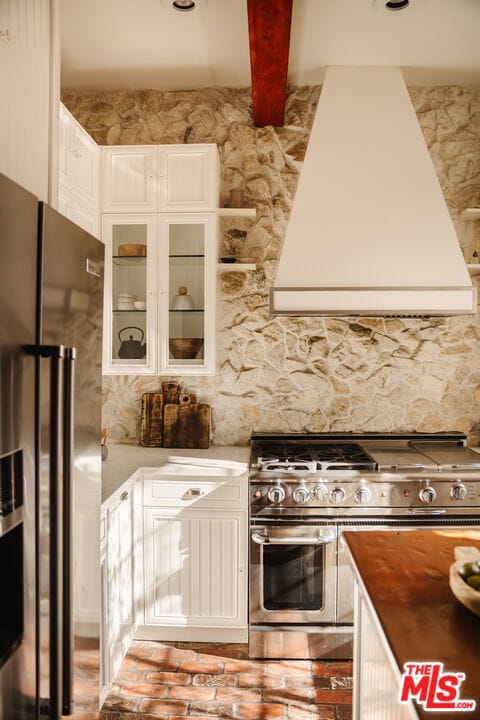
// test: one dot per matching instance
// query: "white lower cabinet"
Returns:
(119, 608)
(174, 563)
(195, 569)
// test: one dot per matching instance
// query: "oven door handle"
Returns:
(261, 539)
(427, 511)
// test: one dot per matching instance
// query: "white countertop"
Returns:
(124, 460)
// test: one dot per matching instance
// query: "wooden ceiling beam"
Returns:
(269, 23)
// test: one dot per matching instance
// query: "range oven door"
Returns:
(293, 574)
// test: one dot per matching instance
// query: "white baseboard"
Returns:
(191, 634)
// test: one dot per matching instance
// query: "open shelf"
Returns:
(470, 214)
(237, 212)
(473, 269)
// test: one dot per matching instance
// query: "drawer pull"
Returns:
(192, 493)
(124, 496)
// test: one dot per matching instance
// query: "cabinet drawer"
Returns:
(215, 494)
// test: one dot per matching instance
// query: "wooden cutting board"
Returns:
(151, 434)
(170, 422)
(170, 392)
(186, 426)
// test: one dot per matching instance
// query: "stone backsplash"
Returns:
(298, 374)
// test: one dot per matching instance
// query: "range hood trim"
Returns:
(375, 301)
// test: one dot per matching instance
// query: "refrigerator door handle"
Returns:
(55, 354)
(67, 576)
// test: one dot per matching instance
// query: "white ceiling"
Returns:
(141, 44)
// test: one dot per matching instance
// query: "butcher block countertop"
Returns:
(124, 460)
(404, 574)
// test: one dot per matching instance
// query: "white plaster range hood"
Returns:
(369, 232)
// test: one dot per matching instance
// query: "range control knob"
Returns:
(276, 494)
(427, 494)
(301, 495)
(362, 495)
(337, 495)
(320, 492)
(458, 492)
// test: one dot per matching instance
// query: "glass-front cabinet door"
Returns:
(187, 288)
(130, 294)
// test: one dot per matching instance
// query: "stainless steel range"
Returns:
(304, 489)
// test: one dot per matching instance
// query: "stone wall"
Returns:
(299, 374)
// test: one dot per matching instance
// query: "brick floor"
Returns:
(173, 681)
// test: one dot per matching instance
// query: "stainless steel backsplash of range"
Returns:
(306, 489)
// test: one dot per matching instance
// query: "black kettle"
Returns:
(131, 348)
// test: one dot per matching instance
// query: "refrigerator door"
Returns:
(71, 313)
(18, 270)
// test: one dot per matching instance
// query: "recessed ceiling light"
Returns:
(397, 5)
(394, 6)
(183, 5)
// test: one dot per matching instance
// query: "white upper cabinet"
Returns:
(78, 174)
(84, 165)
(129, 178)
(29, 81)
(189, 178)
(160, 178)
(159, 205)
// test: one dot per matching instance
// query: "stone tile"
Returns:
(215, 680)
(201, 667)
(129, 676)
(134, 663)
(239, 694)
(311, 712)
(241, 666)
(288, 695)
(119, 702)
(164, 707)
(261, 711)
(282, 667)
(168, 678)
(177, 717)
(332, 668)
(188, 692)
(339, 697)
(150, 690)
(172, 653)
(297, 681)
(214, 707)
(167, 681)
(343, 712)
(259, 679)
(341, 682)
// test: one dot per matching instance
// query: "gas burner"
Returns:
(314, 457)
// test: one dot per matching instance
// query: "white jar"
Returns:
(182, 301)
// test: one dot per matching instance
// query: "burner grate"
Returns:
(314, 457)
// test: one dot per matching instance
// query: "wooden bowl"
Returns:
(132, 250)
(467, 595)
(185, 348)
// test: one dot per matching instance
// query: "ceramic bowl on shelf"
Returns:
(185, 348)
(228, 259)
(140, 305)
(132, 250)
(466, 594)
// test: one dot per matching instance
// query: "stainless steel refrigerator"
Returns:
(51, 300)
